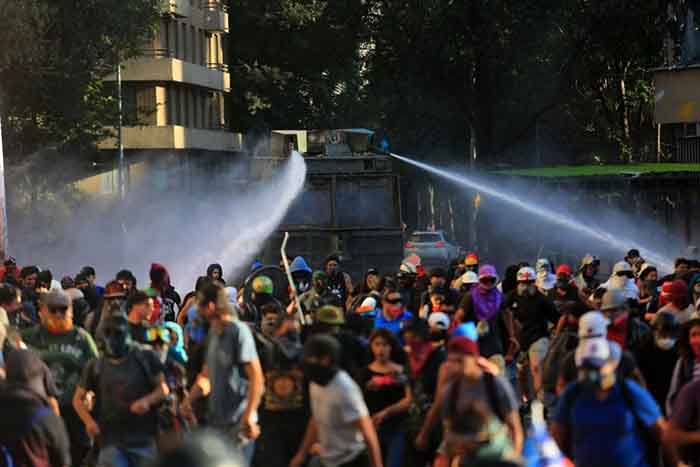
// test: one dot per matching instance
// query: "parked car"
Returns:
(432, 247)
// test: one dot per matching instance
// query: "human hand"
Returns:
(140, 407)
(378, 418)
(249, 428)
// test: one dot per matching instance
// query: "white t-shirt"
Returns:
(336, 408)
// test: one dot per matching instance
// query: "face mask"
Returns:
(117, 344)
(58, 325)
(522, 289)
(531, 290)
(395, 311)
(437, 336)
(319, 374)
(665, 343)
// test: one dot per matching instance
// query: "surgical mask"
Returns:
(665, 343)
(319, 374)
(117, 344)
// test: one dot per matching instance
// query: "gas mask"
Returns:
(117, 342)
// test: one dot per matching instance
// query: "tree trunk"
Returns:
(625, 122)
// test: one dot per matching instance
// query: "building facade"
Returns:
(174, 94)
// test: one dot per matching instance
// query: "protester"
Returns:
(679, 302)
(393, 313)
(340, 420)
(546, 279)
(687, 367)
(127, 280)
(301, 274)
(139, 307)
(31, 434)
(66, 349)
(129, 384)
(680, 266)
(215, 272)
(170, 299)
(601, 420)
(622, 278)
(232, 377)
(339, 282)
(586, 279)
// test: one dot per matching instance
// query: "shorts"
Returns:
(538, 350)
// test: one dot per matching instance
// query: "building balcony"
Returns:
(178, 8)
(174, 137)
(215, 16)
(160, 66)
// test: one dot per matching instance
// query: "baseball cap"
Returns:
(330, 314)
(463, 345)
(487, 271)
(470, 277)
(594, 352)
(55, 298)
(439, 320)
(592, 324)
(564, 269)
(368, 304)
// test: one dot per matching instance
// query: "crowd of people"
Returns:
(454, 366)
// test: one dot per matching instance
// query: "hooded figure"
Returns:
(176, 349)
(301, 274)
(339, 282)
(586, 280)
(545, 278)
(623, 278)
(160, 281)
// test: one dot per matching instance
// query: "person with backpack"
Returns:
(471, 382)
(31, 434)
(129, 386)
(601, 420)
(66, 349)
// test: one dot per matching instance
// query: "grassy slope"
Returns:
(594, 170)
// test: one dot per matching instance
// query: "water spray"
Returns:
(621, 244)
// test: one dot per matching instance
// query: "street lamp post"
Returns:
(3, 202)
(120, 143)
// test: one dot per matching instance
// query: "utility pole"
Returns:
(3, 202)
(120, 143)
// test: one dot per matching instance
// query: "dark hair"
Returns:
(8, 294)
(89, 270)
(45, 277)
(125, 275)
(693, 264)
(28, 271)
(209, 294)
(438, 272)
(599, 292)
(390, 338)
(137, 298)
(684, 338)
(680, 261)
(323, 345)
(201, 282)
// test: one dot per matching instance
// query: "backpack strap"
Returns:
(492, 394)
(629, 402)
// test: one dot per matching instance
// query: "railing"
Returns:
(223, 67)
(688, 150)
(213, 5)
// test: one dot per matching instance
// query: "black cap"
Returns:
(633, 253)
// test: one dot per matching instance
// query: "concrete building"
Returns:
(174, 94)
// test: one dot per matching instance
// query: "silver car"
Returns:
(432, 247)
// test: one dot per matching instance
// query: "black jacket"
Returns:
(32, 433)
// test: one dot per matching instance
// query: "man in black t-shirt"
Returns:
(139, 307)
(129, 384)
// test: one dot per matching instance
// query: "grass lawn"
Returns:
(596, 170)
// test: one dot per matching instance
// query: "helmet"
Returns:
(472, 259)
(439, 320)
(263, 285)
(526, 274)
(408, 267)
(665, 322)
(470, 277)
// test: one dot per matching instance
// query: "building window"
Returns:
(691, 129)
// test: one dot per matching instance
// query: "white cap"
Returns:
(470, 277)
(595, 351)
(368, 304)
(439, 320)
(622, 266)
(592, 324)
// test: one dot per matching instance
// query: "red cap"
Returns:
(463, 345)
(564, 269)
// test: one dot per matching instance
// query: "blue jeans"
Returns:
(392, 442)
(115, 455)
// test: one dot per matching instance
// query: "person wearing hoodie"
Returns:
(587, 280)
(301, 274)
(482, 305)
(160, 282)
(623, 278)
(339, 282)
(319, 288)
(545, 277)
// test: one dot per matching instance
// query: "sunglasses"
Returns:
(487, 281)
(54, 310)
(394, 301)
